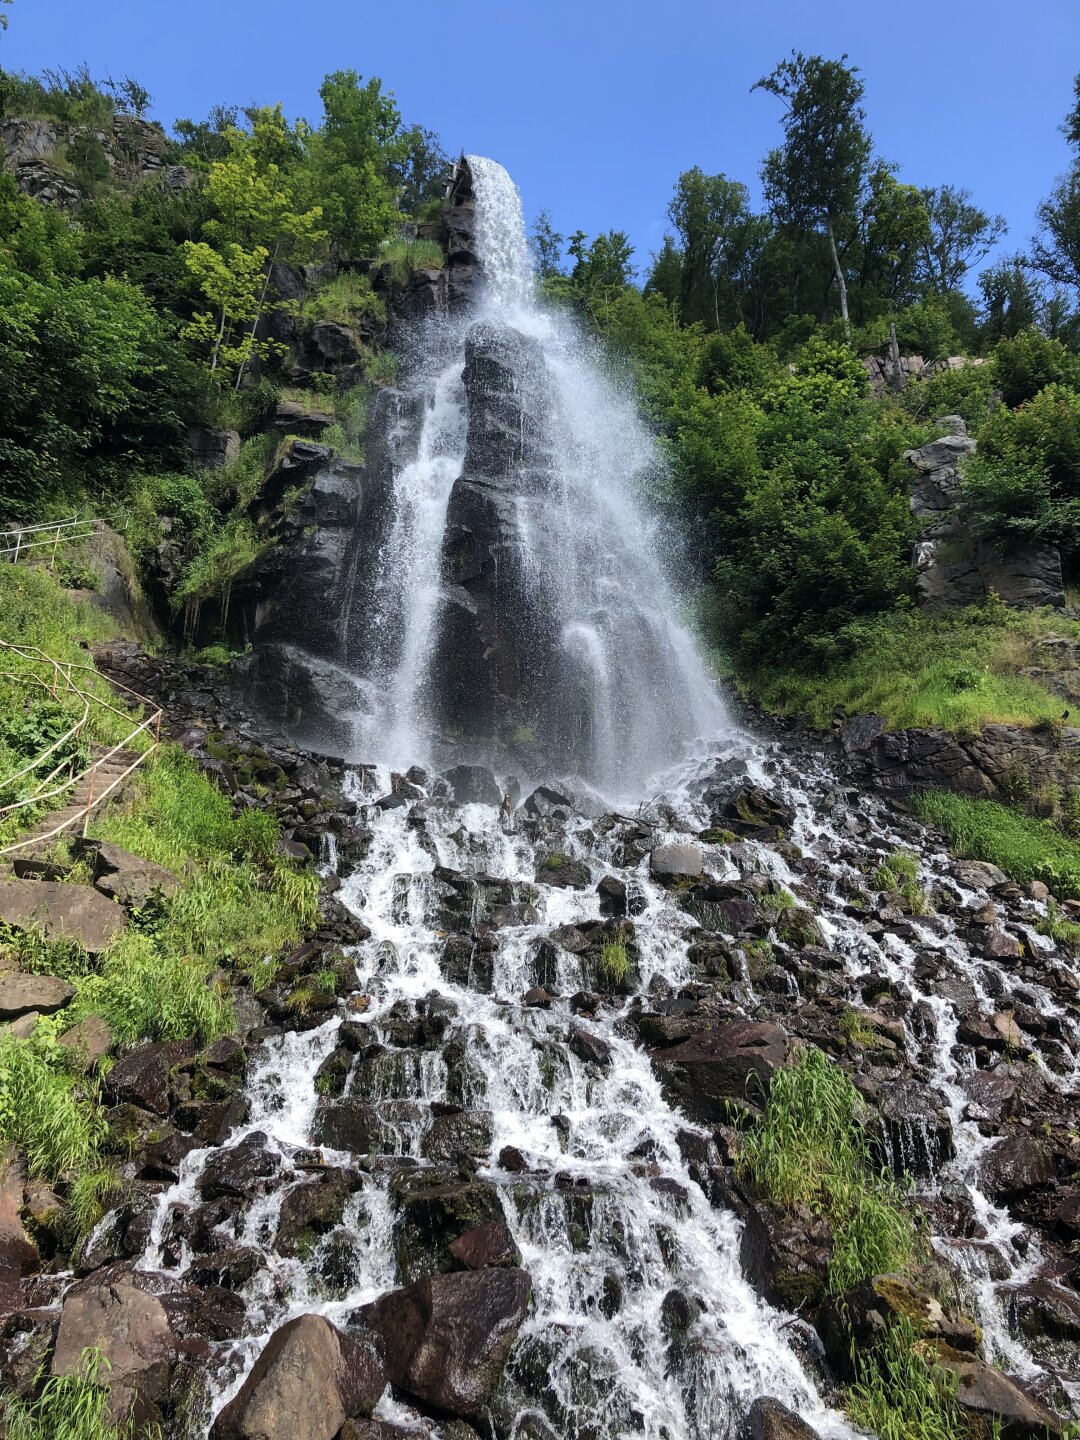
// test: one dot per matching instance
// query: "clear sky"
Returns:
(595, 106)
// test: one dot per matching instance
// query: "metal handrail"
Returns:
(77, 530)
(62, 671)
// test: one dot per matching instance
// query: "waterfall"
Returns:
(518, 598)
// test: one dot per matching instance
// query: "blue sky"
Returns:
(596, 105)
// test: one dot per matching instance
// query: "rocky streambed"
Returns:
(468, 1164)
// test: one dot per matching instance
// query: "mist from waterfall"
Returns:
(614, 687)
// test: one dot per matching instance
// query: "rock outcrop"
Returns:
(954, 566)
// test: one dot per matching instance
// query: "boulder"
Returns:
(313, 1209)
(564, 873)
(18, 1253)
(1014, 1166)
(547, 804)
(212, 447)
(490, 1244)
(127, 878)
(996, 1400)
(63, 912)
(133, 1332)
(445, 1340)
(142, 1076)
(473, 785)
(785, 1254)
(675, 862)
(240, 1171)
(88, 1042)
(770, 1420)
(734, 1062)
(41, 994)
(613, 900)
(309, 1379)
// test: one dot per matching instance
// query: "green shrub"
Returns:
(811, 1149)
(1024, 848)
(346, 298)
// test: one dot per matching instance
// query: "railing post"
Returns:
(18, 545)
(55, 543)
(89, 800)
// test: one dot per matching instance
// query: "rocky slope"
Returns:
(481, 1174)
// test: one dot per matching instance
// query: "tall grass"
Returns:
(1024, 848)
(45, 1111)
(71, 1407)
(811, 1149)
(403, 257)
(958, 672)
(345, 298)
(242, 904)
(901, 1393)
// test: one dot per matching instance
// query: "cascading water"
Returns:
(484, 1068)
(518, 595)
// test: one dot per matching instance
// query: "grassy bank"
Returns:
(959, 672)
(169, 975)
(1025, 848)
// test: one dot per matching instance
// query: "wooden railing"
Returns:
(58, 679)
(25, 541)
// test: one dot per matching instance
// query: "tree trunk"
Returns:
(841, 283)
(894, 359)
(258, 313)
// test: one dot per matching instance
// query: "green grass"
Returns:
(243, 902)
(383, 369)
(36, 612)
(958, 672)
(45, 1111)
(72, 1407)
(899, 872)
(345, 299)
(901, 1393)
(346, 436)
(811, 1149)
(1026, 849)
(403, 257)
(614, 962)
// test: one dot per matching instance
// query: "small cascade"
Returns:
(491, 1064)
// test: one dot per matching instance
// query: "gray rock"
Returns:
(668, 862)
(213, 447)
(40, 994)
(61, 911)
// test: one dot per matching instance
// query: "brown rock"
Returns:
(128, 878)
(770, 1420)
(446, 1338)
(733, 1062)
(989, 1396)
(89, 1040)
(131, 1329)
(308, 1380)
(490, 1244)
(18, 1253)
